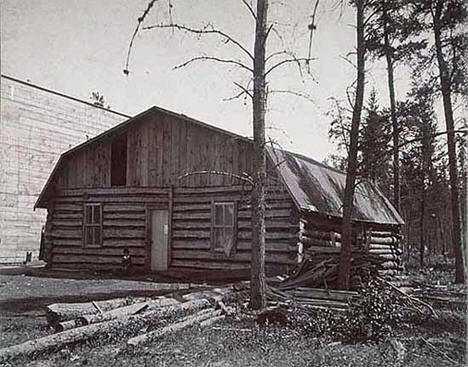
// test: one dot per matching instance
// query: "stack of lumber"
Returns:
(162, 315)
(312, 297)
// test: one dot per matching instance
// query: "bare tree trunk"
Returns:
(345, 254)
(453, 175)
(421, 226)
(257, 276)
(391, 92)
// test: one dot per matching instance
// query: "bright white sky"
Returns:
(79, 46)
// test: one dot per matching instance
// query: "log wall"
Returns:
(321, 239)
(191, 226)
(124, 225)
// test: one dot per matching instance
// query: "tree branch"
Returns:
(297, 94)
(202, 31)
(287, 61)
(212, 58)
(140, 20)
(250, 9)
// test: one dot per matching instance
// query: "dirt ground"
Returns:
(232, 342)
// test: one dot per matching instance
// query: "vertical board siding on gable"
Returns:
(163, 148)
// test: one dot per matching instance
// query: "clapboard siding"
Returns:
(36, 126)
(123, 224)
(191, 228)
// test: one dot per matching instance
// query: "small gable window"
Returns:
(92, 228)
(224, 227)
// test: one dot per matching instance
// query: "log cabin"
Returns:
(170, 189)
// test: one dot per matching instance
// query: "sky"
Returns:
(80, 46)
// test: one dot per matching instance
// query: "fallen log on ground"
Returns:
(112, 314)
(83, 333)
(59, 312)
(182, 324)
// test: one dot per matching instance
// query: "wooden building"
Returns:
(36, 125)
(136, 186)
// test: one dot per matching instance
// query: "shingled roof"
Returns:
(318, 188)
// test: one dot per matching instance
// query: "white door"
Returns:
(159, 233)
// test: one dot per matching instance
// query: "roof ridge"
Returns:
(48, 90)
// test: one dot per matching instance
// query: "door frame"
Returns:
(149, 209)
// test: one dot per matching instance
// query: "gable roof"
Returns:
(116, 129)
(318, 188)
(312, 185)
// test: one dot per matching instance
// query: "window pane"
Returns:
(89, 235)
(97, 235)
(229, 241)
(218, 237)
(219, 214)
(228, 214)
(88, 214)
(96, 214)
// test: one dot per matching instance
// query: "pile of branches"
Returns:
(324, 274)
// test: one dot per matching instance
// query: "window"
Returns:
(119, 161)
(223, 234)
(92, 225)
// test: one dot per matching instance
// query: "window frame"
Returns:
(92, 225)
(232, 227)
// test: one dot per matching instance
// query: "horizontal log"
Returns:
(384, 240)
(191, 244)
(178, 233)
(383, 234)
(269, 246)
(191, 207)
(108, 208)
(67, 242)
(268, 213)
(113, 191)
(183, 224)
(105, 251)
(389, 265)
(124, 216)
(389, 257)
(223, 189)
(69, 216)
(374, 246)
(94, 259)
(58, 312)
(269, 224)
(326, 236)
(213, 265)
(307, 241)
(67, 208)
(115, 199)
(236, 257)
(67, 233)
(385, 251)
(233, 197)
(123, 242)
(124, 223)
(67, 223)
(124, 233)
(247, 235)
